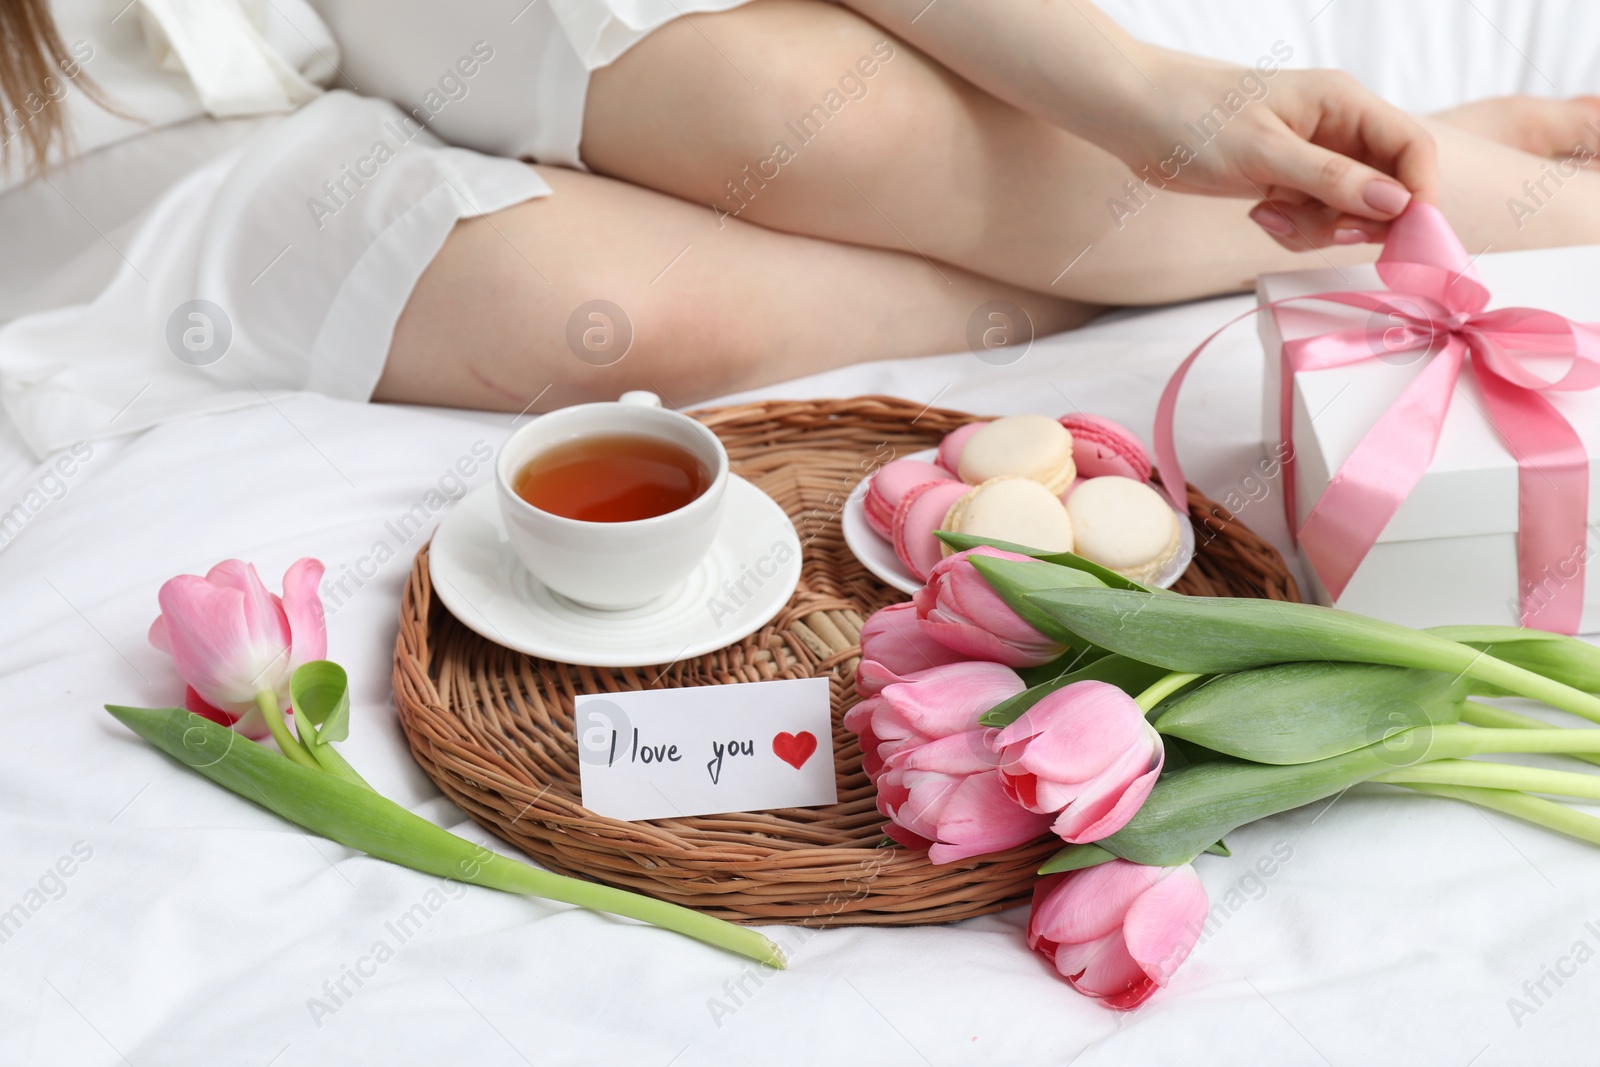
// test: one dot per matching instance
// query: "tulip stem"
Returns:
(1164, 688)
(495, 871)
(1522, 682)
(1505, 776)
(1458, 742)
(1488, 716)
(1537, 810)
(267, 701)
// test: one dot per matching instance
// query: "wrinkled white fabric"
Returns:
(304, 243)
(499, 76)
(601, 30)
(234, 68)
(171, 61)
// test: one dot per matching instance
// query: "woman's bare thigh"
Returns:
(605, 287)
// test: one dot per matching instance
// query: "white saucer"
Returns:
(482, 582)
(877, 555)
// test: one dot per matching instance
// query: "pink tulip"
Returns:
(893, 646)
(958, 608)
(928, 705)
(1086, 752)
(1118, 930)
(231, 639)
(946, 796)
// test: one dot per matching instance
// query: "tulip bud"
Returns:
(960, 609)
(1118, 930)
(1085, 752)
(231, 639)
(946, 795)
(893, 646)
(928, 705)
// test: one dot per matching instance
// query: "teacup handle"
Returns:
(641, 398)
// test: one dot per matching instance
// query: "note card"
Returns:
(664, 753)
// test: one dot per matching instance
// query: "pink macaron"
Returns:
(890, 485)
(954, 441)
(921, 512)
(1101, 447)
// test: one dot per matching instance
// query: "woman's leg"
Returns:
(1550, 129)
(507, 315)
(804, 117)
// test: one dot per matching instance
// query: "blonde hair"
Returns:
(35, 69)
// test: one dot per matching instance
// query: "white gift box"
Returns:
(1449, 554)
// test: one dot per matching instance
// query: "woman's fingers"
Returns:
(1335, 179)
(1342, 164)
(1417, 164)
(1299, 223)
(1385, 137)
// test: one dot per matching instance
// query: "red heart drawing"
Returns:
(795, 749)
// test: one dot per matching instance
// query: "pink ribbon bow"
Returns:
(1435, 304)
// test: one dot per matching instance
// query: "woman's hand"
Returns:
(1330, 162)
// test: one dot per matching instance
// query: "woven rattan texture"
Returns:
(493, 727)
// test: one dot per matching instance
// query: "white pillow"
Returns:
(1421, 54)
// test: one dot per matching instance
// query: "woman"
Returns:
(772, 189)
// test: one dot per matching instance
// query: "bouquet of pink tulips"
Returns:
(1021, 695)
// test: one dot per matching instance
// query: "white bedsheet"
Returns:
(200, 928)
(1421, 54)
(197, 929)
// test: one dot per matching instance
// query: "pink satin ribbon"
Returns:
(1434, 305)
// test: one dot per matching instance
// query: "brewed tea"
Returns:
(612, 478)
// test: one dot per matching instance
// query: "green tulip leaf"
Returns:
(320, 693)
(1129, 675)
(1303, 712)
(1076, 858)
(1017, 582)
(358, 818)
(1216, 635)
(960, 542)
(1565, 659)
(1195, 806)
(1071, 660)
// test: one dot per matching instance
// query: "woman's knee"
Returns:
(730, 105)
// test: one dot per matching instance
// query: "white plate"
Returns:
(877, 555)
(744, 581)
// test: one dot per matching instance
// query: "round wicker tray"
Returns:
(493, 727)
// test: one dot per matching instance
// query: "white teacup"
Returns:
(612, 565)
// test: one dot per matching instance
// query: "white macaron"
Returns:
(1022, 446)
(1014, 509)
(1123, 525)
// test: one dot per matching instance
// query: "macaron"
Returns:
(1101, 447)
(954, 441)
(1021, 446)
(890, 484)
(1124, 525)
(1015, 509)
(921, 512)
